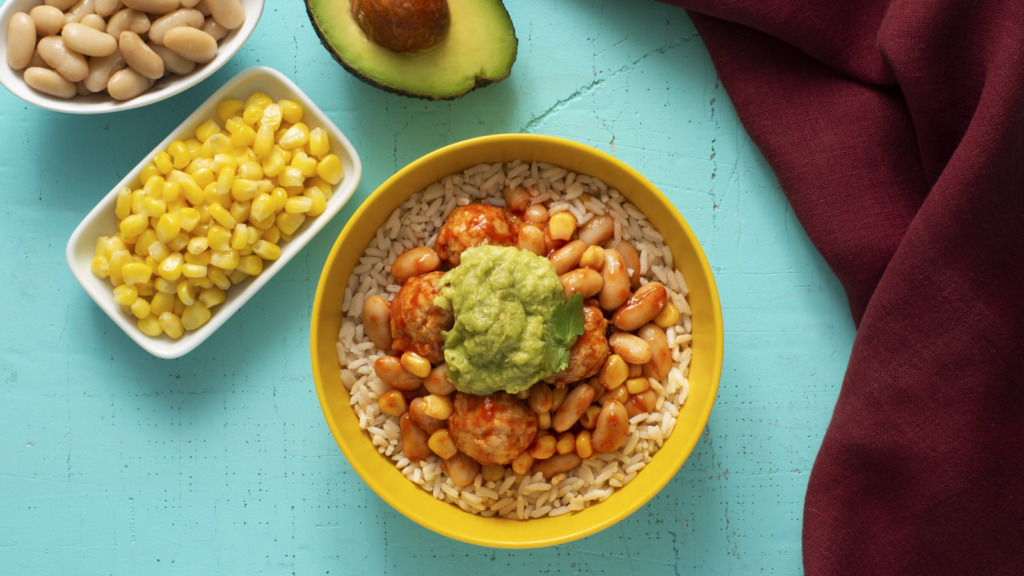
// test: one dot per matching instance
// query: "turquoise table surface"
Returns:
(116, 462)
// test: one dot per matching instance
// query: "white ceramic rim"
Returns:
(101, 219)
(101, 103)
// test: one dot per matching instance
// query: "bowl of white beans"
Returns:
(213, 212)
(575, 452)
(101, 56)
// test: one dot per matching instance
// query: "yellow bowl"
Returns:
(382, 475)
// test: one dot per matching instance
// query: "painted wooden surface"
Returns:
(116, 462)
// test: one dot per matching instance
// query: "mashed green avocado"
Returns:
(503, 299)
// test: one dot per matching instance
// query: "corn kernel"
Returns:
(319, 142)
(280, 196)
(291, 176)
(168, 227)
(195, 316)
(330, 169)
(241, 134)
(614, 372)
(260, 99)
(522, 463)
(272, 116)
(150, 326)
(266, 249)
(298, 205)
(263, 141)
(100, 266)
(289, 223)
(201, 259)
(135, 273)
(189, 217)
(228, 108)
(263, 207)
(250, 265)
(566, 443)
(543, 446)
(180, 156)
(218, 238)
(291, 110)
(126, 294)
(244, 189)
(668, 316)
(123, 203)
(219, 278)
(562, 226)
(415, 364)
(170, 267)
(171, 324)
(161, 284)
(237, 276)
(133, 225)
(185, 292)
(211, 297)
(589, 418)
(240, 211)
(190, 270)
(393, 403)
(140, 308)
(206, 130)
(441, 443)
(143, 242)
(162, 302)
(294, 137)
(239, 237)
(222, 216)
(319, 201)
(148, 171)
(178, 243)
(162, 161)
(224, 259)
(584, 445)
(637, 385)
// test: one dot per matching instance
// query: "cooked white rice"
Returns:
(415, 223)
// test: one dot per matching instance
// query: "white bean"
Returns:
(215, 30)
(196, 45)
(414, 440)
(227, 13)
(173, 62)
(49, 82)
(612, 427)
(390, 370)
(641, 307)
(62, 5)
(48, 19)
(557, 464)
(88, 41)
(574, 405)
(80, 10)
(128, 19)
(140, 57)
(615, 289)
(126, 84)
(21, 40)
(632, 348)
(95, 21)
(181, 17)
(531, 239)
(105, 8)
(461, 469)
(583, 281)
(377, 321)
(67, 62)
(153, 6)
(413, 262)
(661, 356)
(597, 230)
(567, 257)
(100, 71)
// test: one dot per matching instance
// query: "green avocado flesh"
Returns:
(479, 49)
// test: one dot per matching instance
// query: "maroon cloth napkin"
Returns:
(896, 130)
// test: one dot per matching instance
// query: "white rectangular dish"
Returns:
(102, 221)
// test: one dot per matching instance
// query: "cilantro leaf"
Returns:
(566, 325)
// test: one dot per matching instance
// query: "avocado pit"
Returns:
(403, 25)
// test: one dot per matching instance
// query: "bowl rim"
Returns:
(474, 529)
(82, 240)
(102, 104)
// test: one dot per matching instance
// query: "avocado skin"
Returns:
(353, 68)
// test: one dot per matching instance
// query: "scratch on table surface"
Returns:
(591, 86)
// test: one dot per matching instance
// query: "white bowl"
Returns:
(101, 220)
(101, 103)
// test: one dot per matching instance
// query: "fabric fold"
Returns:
(896, 131)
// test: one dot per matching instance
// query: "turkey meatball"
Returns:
(473, 225)
(491, 429)
(416, 323)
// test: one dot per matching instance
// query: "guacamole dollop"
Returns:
(503, 299)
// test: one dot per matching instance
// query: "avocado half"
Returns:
(479, 49)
